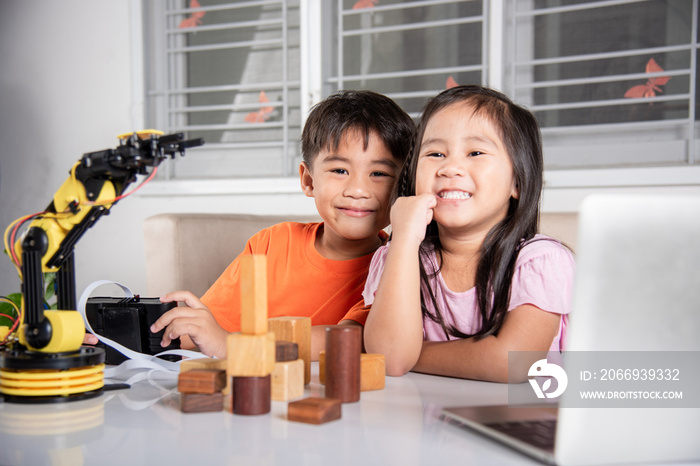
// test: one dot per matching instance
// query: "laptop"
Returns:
(637, 288)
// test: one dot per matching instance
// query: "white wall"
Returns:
(67, 88)
(70, 83)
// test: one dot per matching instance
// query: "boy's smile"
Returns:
(351, 187)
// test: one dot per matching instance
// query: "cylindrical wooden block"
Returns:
(343, 348)
(252, 395)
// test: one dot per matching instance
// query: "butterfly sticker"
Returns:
(261, 115)
(361, 4)
(195, 18)
(450, 83)
(652, 85)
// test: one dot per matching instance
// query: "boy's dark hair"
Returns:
(521, 135)
(363, 111)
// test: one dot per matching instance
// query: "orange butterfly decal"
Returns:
(450, 83)
(652, 86)
(365, 4)
(261, 115)
(195, 18)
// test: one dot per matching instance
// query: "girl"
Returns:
(453, 298)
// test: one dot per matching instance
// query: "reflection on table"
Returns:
(400, 425)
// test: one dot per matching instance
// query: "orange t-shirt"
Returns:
(300, 282)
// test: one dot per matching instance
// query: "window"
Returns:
(612, 82)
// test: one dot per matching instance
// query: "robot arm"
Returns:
(96, 182)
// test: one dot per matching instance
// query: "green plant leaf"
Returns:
(6, 308)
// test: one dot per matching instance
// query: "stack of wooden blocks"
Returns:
(270, 359)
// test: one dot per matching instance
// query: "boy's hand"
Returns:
(192, 320)
(409, 217)
(90, 339)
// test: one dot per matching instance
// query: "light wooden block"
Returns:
(206, 363)
(254, 294)
(202, 363)
(372, 371)
(201, 402)
(250, 355)
(201, 381)
(322, 367)
(314, 410)
(288, 380)
(297, 330)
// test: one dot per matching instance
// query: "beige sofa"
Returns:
(189, 251)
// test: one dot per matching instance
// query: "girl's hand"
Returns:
(409, 217)
(193, 320)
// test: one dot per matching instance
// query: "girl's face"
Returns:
(464, 163)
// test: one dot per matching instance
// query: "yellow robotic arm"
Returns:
(96, 182)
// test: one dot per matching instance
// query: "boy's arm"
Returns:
(193, 321)
(526, 328)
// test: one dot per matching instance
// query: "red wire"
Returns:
(122, 196)
(7, 316)
(14, 233)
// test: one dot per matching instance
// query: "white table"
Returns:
(399, 425)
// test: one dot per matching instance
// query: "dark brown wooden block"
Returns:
(201, 381)
(314, 410)
(252, 395)
(286, 351)
(343, 369)
(201, 402)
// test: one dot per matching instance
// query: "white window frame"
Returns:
(564, 188)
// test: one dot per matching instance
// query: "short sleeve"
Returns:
(358, 313)
(376, 267)
(544, 277)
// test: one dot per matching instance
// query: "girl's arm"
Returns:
(526, 328)
(394, 326)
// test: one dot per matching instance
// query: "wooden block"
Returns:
(297, 330)
(206, 363)
(201, 381)
(322, 367)
(202, 363)
(288, 380)
(372, 372)
(250, 355)
(286, 351)
(314, 410)
(201, 402)
(252, 395)
(254, 294)
(343, 349)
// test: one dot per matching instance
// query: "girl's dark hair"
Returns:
(521, 136)
(365, 111)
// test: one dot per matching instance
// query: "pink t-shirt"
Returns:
(543, 277)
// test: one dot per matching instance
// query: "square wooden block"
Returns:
(288, 380)
(201, 381)
(201, 402)
(314, 410)
(207, 363)
(250, 355)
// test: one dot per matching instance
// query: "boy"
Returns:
(353, 146)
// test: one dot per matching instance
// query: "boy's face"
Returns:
(352, 187)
